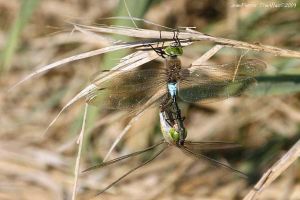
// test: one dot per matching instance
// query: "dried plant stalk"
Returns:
(80, 143)
(278, 168)
(192, 36)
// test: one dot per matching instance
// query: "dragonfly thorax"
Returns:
(173, 69)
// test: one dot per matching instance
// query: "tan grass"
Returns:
(79, 142)
(273, 172)
(269, 176)
(191, 36)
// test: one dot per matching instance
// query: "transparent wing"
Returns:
(206, 145)
(217, 163)
(127, 89)
(202, 82)
(104, 164)
(128, 156)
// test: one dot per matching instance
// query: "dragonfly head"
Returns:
(173, 50)
(178, 135)
(174, 135)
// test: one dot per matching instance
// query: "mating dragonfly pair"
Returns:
(138, 89)
(141, 88)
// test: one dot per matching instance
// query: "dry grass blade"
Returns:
(207, 55)
(278, 168)
(106, 41)
(83, 93)
(133, 19)
(74, 58)
(129, 62)
(191, 36)
(79, 142)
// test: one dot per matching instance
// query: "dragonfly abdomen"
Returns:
(172, 89)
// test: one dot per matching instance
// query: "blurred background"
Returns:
(36, 32)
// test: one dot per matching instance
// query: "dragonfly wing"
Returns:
(104, 164)
(205, 82)
(211, 92)
(127, 90)
(217, 163)
(134, 169)
(205, 145)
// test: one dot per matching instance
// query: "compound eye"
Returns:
(173, 51)
(174, 135)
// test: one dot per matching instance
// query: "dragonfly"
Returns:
(143, 87)
(171, 128)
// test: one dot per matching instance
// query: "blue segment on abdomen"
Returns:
(172, 88)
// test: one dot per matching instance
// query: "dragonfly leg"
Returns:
(165, 103)
(168, 120)
(159, 39)
(175, 37)
(177, 109)
(163, 43)
(158, 51)
(179, 119)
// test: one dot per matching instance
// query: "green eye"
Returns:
(173, 51)
(174, 135)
